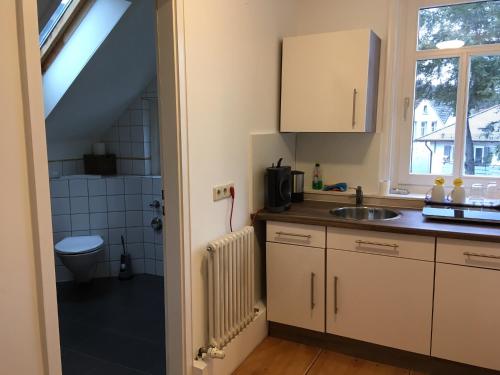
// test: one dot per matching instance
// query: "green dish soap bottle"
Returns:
(317, 183)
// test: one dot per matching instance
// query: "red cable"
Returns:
(231, 191)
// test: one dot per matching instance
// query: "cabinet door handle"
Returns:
(335, 301)
(293, 234)
(477, 255)
(393, 245)
(313, 275)
(354, 95)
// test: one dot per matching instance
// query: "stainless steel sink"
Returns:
(365, 213)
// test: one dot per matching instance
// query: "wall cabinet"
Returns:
(330, 82)
(466, 325)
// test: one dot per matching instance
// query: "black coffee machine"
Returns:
(278, 183)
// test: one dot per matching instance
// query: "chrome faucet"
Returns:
(359, 195)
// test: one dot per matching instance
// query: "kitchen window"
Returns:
(452, 64)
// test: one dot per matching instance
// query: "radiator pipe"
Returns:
(210, 352)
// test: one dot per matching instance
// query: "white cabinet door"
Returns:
(380, 299)
(295, 285)
(329, 82)
(467, 315)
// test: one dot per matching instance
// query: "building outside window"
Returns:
(452, 76)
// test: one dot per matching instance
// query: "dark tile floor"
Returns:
(112, 327)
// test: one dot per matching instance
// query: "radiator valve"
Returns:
(210, 352)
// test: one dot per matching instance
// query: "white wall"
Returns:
(20, 338)
(351, 158)
(233, 51)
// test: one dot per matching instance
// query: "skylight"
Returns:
(53, 21)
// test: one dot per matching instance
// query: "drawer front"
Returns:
(296, 234)
(468, 253)
(392, 244)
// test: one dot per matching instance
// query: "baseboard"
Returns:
(238, 349)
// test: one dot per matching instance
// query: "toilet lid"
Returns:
(79, 244)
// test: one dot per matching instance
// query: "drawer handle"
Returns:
(313, 275)
(469, 254)
(293, 234)
(335, 301)
(393, 245)
(354, 94)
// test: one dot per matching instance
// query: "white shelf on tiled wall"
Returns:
(110, 207)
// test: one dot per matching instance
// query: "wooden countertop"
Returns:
(410, 222)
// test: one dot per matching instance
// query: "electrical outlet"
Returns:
(222, 191)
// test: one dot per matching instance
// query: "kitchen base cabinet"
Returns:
(295, 285)
(467, 314)
(380, 299)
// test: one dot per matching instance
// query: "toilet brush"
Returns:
(125, 264)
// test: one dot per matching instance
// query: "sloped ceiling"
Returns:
(119, 70)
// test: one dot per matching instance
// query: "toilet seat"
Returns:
(78, 245)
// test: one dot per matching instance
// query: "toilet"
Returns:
(80, 255)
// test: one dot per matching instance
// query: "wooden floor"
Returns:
(277, 356)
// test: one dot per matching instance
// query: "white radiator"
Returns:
(231, 280)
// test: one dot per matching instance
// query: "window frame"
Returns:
(405, 113)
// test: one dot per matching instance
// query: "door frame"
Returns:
(173, 140)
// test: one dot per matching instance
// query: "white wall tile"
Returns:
(113, 148)
(99, 220)
(116, 203)
(158, 237)
(135, 235)
(125, 150)
(136, 117)
(116, 219)
(147, 167)
(159, 268)
(77, 233)
(134, 218)
(147, 149)
(78, 188)
(133, 202)
(55, 169)
(124, 119)
(149, 236)
(114, 186)
(146, 130)
(114, 268)
(97, 187)
(147, 185)
(149, 251)
(126, 166)
(147, 216)
(68, 167)
(136, 250)
(115, 235)
(60, 206)
(159, 252)
(59, 188)
(157, 186)
(115, 251)
(147, 200)
(61, 223)
(133, 185)
(137, 134)
(138, 266)
(80, 222)
(124, 134)
(137, 150)
(149, 267)
(98, 204)
(138, 167)
(80, 205)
